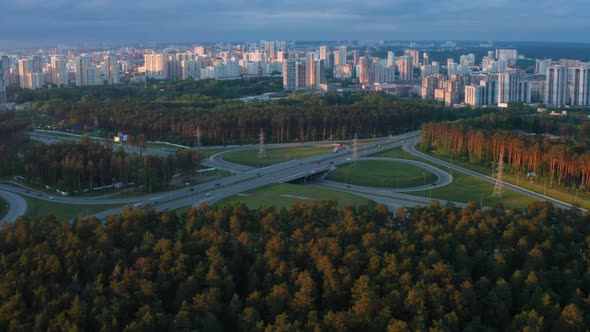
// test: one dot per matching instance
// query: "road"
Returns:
(246, 178)
(410, 146)
(17, 206)
(278, 173)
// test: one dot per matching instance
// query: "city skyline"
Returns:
(30, 23)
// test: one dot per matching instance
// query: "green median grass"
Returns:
(62, 211)
(284, 194)
(381, 174)
(274, 156)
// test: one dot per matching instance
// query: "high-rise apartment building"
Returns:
(111, 69)
(324, 50)
(415, 54)
(320, 73)
(541, 66)
(507, 87)
(390, 59)
(429, 85)
(405, 67)
(155, 65)
(59, 76)
(25, 69)
(580, 86)
(475, 95)
(556, 86)
(342, 55)
(4, 69)
(85, 73)
(363, 70)
(290, 74)
(508, 55)
(310, 71)
(300, 75)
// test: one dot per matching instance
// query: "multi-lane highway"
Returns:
(246, 178)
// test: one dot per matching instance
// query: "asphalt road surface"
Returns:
(17, 206)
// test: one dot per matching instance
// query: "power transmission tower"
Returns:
(499, 187)
(198, 136)
(355, 148)
(261, 151)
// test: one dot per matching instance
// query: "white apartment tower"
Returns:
(556, 86)
(580, 86)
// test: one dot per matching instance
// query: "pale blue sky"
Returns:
(46, 22)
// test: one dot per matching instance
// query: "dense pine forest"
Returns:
(76, 166)
(555, 149)
(177, 111)
(309, 267)
(11, 137)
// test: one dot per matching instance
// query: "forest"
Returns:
(300, 117)
(311, 267)
(151, 90)
(563, 160)
(77, 166)
(11, 137)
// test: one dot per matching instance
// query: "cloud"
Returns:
(35, 21)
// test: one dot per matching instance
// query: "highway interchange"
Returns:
(246, 178)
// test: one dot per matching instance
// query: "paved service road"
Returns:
(17, 206)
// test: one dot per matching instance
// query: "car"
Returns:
(51, 197)
(347, 186)
(156, 202)
(27, 191)
(137, 205)
(191, 189)
(331, 162)
(217, 184)
(39, 194)
(165, 209)
(208, 194)
(434, 184)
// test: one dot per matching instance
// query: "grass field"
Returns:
(63, 212)
(274, 156)
(538, 185)
(284, 194)
(381, 174)
(464, 188)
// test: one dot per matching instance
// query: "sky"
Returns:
(33, 23)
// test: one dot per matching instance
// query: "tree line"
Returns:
(151, 90)
(563, 160)
(76, 166)
(11, 137)
(309, 267)
(297, 118)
